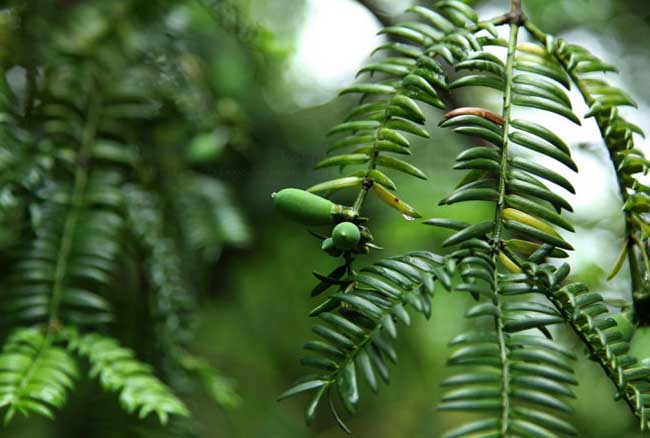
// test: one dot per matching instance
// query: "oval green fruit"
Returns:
(640, 345)
(346, 236)
(304, 207)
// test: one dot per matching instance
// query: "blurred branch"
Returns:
(375, 10)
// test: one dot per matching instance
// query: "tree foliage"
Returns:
(510, 369)
(91, 211)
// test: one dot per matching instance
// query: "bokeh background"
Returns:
(274, 68)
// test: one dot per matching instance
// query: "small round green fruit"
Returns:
(346, 236)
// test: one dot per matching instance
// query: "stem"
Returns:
(69, 227)
(507, 110)
(505, 367)
(498, 220)
(384, 19)
(610, 372)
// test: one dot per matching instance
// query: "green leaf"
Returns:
(302, 387)
(353, 140)
(358, 125)
(594, 66)
(485, 134)
(535, 233)
(409, 106)
(483, 309)
(368, 89)
(471, 232)
(446, 223)
(406, 33)
(434, 18)
(367, 111)
(336, 338)
(336, 184)
(379, 285)
(484, 65)
(543, 68)
(543, 85)
(528, 248)
(343, 160)
(540, 399)
(363, 361)
(534, 143)
(459, 6)
(324, 348)
(380, 177)
(546, 105)
(543, 370)
(463, 195)
(406, 126)
(473, 117)
(362, 305)
(618, 264)
(481, 164)
(543, 172)
(342, 324)
(486, 425)
(382, 67)
(401, 280)
(401, 48)
(402, 166)
(551, 422)
(395, 202)
(527, 323)
(478, 80)
(394, 136)
(519, 187)
(348, 388)
(84, 298)
(310, 413)
(537, 209)
(421, 84)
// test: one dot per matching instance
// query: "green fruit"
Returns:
(328, 244)
(304, 207)
(640, 345)
(346, 236)
(309, 209)
(624, 325)
(207, 147)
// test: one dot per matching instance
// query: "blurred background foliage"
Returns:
(253, 86)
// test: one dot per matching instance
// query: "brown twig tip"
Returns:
(516, 14)
(475, 111)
